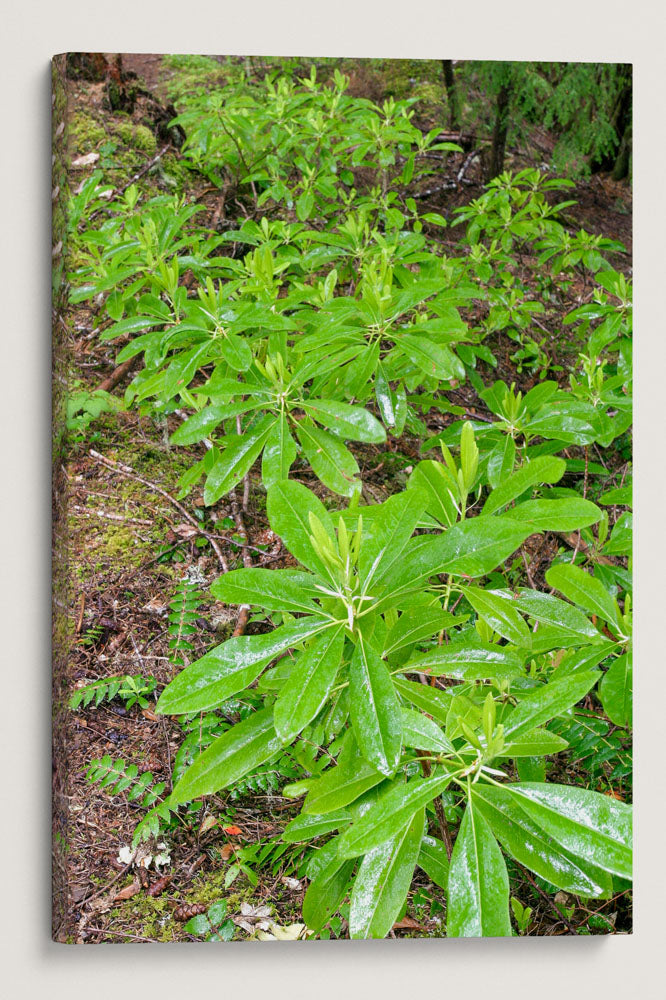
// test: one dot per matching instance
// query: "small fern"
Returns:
(593, 743)
(131, 688)
(116, 776)
(184, 611)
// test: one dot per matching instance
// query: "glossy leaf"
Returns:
(544, 469)
(547, 702)
(583, 589)
(374, 708)
(421, 733)
(393, 809)
(568, 514)
(279, 453)
(230, 668)
(590, 825)
(309, 683)
(305, 827)
(352, 423)
(533, 847)
(478, 886)
(615, 691)
(500, 614)
(350, 778)
(331, 460)
(270, 589)
(383, 881)
(434, 861)
(230, 757)
(550, 610)
(289, 505)
(393, 524)
(236, 459)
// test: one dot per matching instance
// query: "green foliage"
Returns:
(324, 323)
(133, 690)
(213, 925)
(117, 776)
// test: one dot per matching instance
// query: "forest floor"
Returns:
(131, 542)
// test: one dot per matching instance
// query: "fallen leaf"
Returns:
(147, 714)
(408, 924)
(85, 161)
(235, 831)
(228, 850)
(185, 530)
(208, 824)
(127, 893)
(292, 932)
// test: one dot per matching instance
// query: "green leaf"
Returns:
(331, 460)
(533, 847)
(478, 888)
(393, 524)
(231, 667)
(279, 453)
(199, 426)
(586, 591)
(435, 480)
(309, 683)
(411, 628)
(305, 827)
(383, 881)
(433, 359)
(236, 352)
(431, 700)
(501, 460)
(615, 691)
(469, 660)
(269, 589)
(544, 469)
(500, 613)
(393, 809)
(421, 733)
(434, 861)
(352, 423)
(547, 702)
(550, 610)
(472, 548)
(374, 708)
(326, 892)
(237, 458)
(591, 826)
(230, 757)
(568, 514)
(289, 505)
(535, 742)
(351, 777)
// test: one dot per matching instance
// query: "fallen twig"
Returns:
(116, 376)
(125, 470)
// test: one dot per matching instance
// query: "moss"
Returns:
(153, 918)
(85, 133)
(120, 542)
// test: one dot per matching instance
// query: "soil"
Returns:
(130, 544)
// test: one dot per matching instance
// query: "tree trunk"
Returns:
(622, 124)
(451, 94)
(496, 164)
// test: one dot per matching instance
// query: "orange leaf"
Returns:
(235, 831)
(127, 893)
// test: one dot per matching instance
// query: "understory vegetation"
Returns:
(382, 393)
